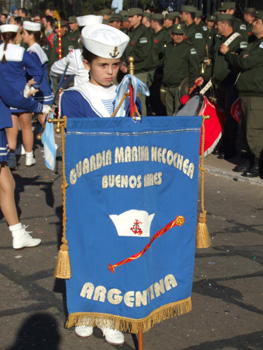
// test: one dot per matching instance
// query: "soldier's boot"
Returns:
(254, 170)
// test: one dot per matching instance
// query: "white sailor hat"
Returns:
(104, 41)
(32, 26)
(89, 20)
(6, 28)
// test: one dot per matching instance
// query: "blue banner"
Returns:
(131, 207)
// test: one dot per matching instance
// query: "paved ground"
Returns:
(227, 292)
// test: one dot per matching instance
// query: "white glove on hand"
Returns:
(46, 109)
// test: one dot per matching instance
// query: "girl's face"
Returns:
(103, 71)
(26, 37)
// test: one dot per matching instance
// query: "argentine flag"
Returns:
(48, 142)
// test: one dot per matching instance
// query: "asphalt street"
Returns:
(227, 291)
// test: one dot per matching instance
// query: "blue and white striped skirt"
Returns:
(4, 148)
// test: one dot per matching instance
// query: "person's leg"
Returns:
(11, 134)
(28, 137)
(21, 238)
(7, 199)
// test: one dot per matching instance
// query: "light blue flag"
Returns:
(118, 4)
(48, 142)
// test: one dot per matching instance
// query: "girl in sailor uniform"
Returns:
(102, 50)
(8, 96)
(15, 64)
(95, 98)
(31, 36)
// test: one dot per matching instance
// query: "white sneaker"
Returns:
(113, 336)
(20, 150)
(83, 331)
(30, 160)
(22, 239)
(12, 161)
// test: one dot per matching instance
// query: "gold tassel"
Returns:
(63, 269)
(202, 235)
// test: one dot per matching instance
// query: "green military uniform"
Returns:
(224, 77)
(238, 25)
(74, 37)
(180, 62)
(196, 36)
(154, 78)
(140, 48)
(250, 90)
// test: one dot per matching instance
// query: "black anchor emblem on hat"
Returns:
(115, 52)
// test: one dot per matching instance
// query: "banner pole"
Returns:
(140, 340)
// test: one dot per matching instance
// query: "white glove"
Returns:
(46, 109)
(26, 91)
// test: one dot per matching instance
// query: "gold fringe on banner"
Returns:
(63, 269)
(202, 235)
(125, 324)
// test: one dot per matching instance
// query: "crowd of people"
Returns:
(170, 49)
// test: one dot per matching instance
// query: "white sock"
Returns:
(16, 227)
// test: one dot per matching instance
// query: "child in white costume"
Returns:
(102, 51)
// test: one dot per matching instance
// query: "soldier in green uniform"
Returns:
(169, 20)
(211, 34)
(249, 18)
(155, 73)
(146, 19)
(74, 34)
(192, 32)
(224, 77)
(66, 43)
(180, 62)
(116, 21)
(238, 26)
(140, 47)
(250, 88)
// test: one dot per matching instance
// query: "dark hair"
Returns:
(192, 14)
(23, 10)
(87, 55)
(230, 22)
(4, 14)
(6, 38)
(160, 21)
(49, 19)
(37, 34)
(19, 20)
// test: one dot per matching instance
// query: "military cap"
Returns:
(116, 17)
(62, 23)
(227, 5)
(123, 13)
(156, 16)
(198, 13)
(135, 11)
(178, 29)
(175, 14)
(224, 17)
(105, 21)
(147, 14)
(250, 10)
(211, 18)
(170, 16)
(105, 12)
(185, 8)
(72, 19)
(259, 14)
